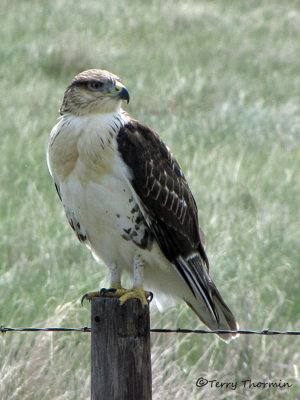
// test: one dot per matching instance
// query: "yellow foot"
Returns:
(111, 292)
(103, 292)
(136, 293)
(121, 293)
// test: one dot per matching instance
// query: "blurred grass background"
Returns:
(220, 82)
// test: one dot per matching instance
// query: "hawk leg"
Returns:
(116, 289)
(137, 292)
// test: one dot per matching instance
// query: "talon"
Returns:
(83, 298)
(88, 296)
(151, 297)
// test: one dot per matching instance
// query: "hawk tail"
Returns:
(205, 299)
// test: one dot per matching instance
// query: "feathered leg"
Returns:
(137, 291)
(116, 289)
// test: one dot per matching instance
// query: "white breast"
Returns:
(93, 183)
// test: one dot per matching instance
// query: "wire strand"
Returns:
(85, 329)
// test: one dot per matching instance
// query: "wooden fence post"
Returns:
(120, 350)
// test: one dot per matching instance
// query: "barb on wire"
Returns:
(85, 329)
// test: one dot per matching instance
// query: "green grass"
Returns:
(220, 82)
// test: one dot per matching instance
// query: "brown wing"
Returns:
(163, 191)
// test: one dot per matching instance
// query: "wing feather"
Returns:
(163, 190)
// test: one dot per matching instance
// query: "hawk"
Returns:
(127, 199)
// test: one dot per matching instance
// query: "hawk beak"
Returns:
(124, 95)
(122, 92)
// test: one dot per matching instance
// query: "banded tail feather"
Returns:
(205, 299)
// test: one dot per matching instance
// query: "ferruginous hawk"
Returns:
(126, 198)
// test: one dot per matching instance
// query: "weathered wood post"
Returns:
(120, 350)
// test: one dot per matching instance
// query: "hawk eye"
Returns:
(95, 85)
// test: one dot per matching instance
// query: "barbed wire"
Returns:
(86, 329)
(4, 329)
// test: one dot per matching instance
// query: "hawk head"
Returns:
(94, 91)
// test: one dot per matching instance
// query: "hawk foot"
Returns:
(139, 293)
(111, 292)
